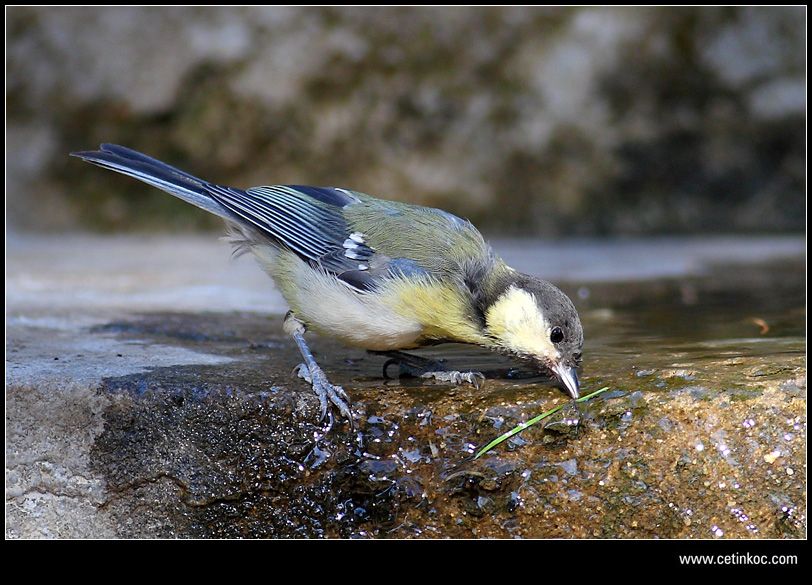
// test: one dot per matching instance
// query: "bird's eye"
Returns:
(556, 335)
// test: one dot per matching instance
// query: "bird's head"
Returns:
(533, 320)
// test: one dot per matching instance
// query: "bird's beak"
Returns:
(569, 377)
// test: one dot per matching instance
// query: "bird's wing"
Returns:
(306, 220)
(311, 222)
(359, 238)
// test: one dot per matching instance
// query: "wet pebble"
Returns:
(570, 466)
(666, 424)
(772, 456)
(515, 501)
(517, 441)
(697, 392)
(412, 456)
(379, 467)
(565, 422)
(485, 504)
(574, 495)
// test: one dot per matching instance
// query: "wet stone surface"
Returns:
(702, 433)
(235, 450)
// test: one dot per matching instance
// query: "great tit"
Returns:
(376, 274)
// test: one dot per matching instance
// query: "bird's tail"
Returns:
(156, 173)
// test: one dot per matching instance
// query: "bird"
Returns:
(377, 274)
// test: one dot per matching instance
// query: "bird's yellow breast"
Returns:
(443, 312)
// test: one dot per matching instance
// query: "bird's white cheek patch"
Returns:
(516, 320)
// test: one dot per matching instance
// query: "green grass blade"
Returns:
(519, 428)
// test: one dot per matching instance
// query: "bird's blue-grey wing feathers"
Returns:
(307, 220)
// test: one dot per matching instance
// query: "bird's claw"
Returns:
(455, 377)
(326, 392)
(419, 367)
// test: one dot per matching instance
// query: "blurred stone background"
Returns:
(583, 121)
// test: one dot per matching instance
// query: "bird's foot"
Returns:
(455, 377)
(420, 367)
(328, 394)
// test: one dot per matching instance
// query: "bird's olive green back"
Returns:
(437, 241)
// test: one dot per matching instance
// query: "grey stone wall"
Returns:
(526, 120)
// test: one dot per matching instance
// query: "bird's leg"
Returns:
(310, 371)
(409, 364)
(420, 367)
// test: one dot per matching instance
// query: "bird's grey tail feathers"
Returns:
(306, 220)
(156, 173)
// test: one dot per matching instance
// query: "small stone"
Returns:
(772, 456)
(570, 466)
